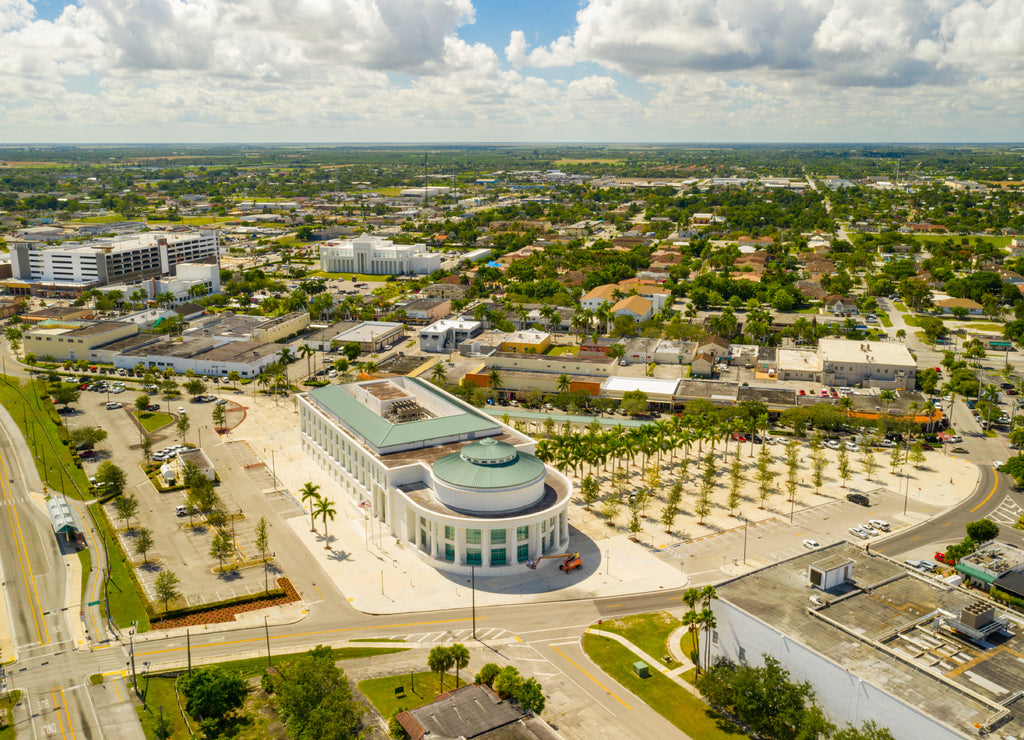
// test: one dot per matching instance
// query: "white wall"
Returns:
(844, 696)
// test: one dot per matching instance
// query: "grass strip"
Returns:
(649, 632)
(671, 701)
(417, 689)
(123, 593)
(85, 558)
(37, 420)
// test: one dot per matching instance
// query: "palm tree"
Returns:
(306, 352)
(286, 356)
(310, 491)
(324, 508)
(438, 375)
(563, 383)
(495, 379)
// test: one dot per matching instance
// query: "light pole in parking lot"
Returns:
(746, 525)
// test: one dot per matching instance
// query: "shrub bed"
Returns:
(225, 611)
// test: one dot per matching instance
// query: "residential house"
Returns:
(635, 307)
(703, 365)
(839, 304)
(948, 304)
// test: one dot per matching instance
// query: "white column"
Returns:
(535, 551)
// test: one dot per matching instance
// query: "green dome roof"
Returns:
(488, 463)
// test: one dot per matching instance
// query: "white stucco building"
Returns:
(869, 364)
(373, 255)
(449, 480)
(878, 641)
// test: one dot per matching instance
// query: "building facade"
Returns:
(372, 255)
(73, 267)
(446, 336)
(463, 489)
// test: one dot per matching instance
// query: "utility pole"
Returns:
(188, 649)
(746, 525)
(131, 652)
(472, 573)
(266, 631)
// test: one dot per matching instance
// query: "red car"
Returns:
(153, 407)
(941, 557)
(803, 393)
(739, 437)
(86, 453)
(83, 386)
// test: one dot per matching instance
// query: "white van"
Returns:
(880, 524)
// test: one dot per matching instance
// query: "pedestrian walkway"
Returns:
(671, 674)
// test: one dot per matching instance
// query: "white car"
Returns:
(869, 529)
(811, 544)
(832, 444)
(998, 464)
(858, 532)
(113, 405)
(880, 525)
(850, 446)
(955, 439)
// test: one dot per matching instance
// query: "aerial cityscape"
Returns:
(438, 369)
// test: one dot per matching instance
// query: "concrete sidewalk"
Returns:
(672, 675)
(382, 577)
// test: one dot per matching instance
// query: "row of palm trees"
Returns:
(597, 446)
(698, 618)
(320, 507)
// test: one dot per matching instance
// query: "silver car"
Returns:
(858, 532)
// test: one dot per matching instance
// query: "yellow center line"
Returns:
(996, 483)
(67, 714)
(313, 634)
(584, 672)
(56, 708)
(23, 561)
(117, 688)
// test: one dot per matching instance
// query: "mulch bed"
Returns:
(217, 615)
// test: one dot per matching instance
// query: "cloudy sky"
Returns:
(511, 70)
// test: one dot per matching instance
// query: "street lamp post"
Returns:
(472, 573)
(746, 525)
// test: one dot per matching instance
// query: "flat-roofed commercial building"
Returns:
(462, 488)
(208, 356)
(799, 364)
(73, 267)
(879, 641)
(74, 340)
(868, 364)
(446, 335)
(372, 255)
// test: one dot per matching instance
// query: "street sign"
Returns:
(93, 603)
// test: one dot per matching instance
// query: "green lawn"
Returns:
(159, 690)
(911, 320)
(419, 689)
(85, 558)
(562, 350)
(34, 417)
(7, 710)
(671, 701)
(153, 420)
(126, 602)
(159, 694)
(884, 318)
(649, 632)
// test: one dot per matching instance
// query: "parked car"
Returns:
(962, 450)
(180, 510)
(832, 444)
(221, 402)
(858, 498)
(869, 529)
(887, 443)
(181, 409)
(153, 407)
(850, 446)
(811, 544)
(858, 532)
(879, 524)
(113, 405)
(941, 557)
(955, 439)
(86, 453)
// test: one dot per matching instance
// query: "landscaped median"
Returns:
(673, 702)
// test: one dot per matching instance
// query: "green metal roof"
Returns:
(488, 464)
(979, 575)
(381, 433)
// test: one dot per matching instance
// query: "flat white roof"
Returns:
(445, 324)
(650, 386)
(874, 353)
(804, 360)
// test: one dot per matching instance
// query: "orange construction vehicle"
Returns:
(571, 561)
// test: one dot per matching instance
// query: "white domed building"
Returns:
(461, 487)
